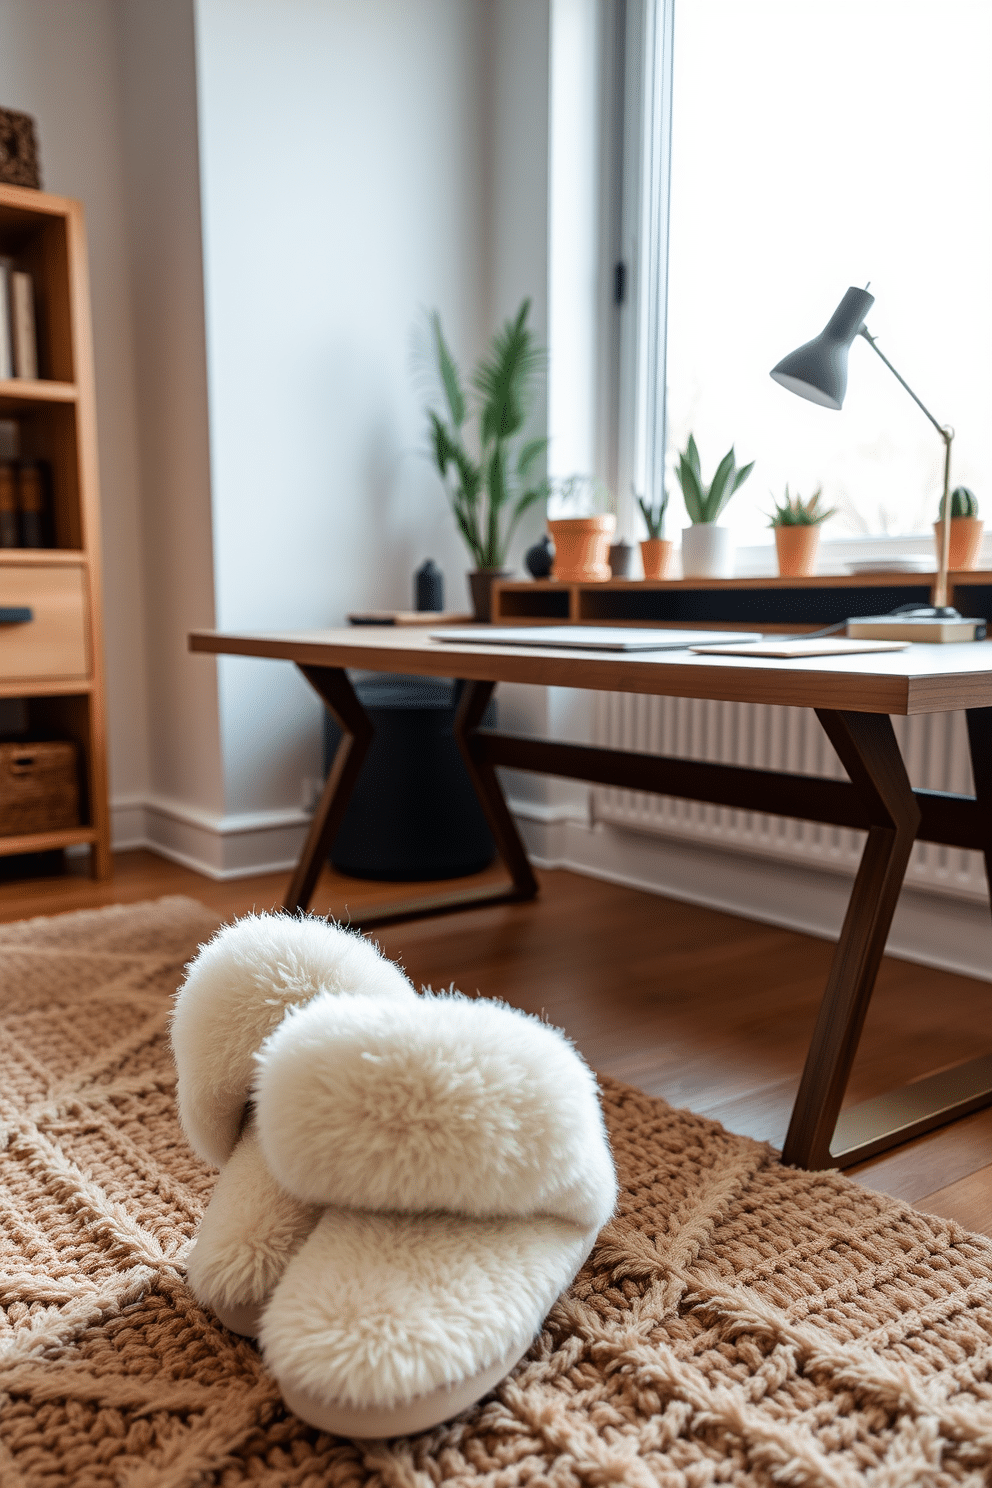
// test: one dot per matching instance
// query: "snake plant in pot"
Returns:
(491, 482)
(707, 549)
(657, 551)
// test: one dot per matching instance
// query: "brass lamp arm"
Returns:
(947, 434)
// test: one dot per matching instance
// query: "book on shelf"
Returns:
(33, 503)
(25, 504)
(24, 339)
(6, 340)
(9, 524)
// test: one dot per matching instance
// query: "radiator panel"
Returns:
(763, 736)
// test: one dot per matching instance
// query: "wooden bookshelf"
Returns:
(54, 663)
(823, 600)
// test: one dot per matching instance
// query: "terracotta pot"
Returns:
(582, 548)
(480, 583)
(966, 541)
(797, 548)
(657, 557)
(707, 551)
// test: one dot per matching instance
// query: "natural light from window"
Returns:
(819, 144)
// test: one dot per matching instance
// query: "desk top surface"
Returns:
(922, 679)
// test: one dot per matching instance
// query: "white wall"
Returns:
(58, 62)
(341, 150)
(402, 167)
(158, 70)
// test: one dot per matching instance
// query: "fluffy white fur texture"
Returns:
(378, 1309)
(236, 992)
(433, 1103)
(249, 1234)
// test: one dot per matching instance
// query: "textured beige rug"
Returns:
(738, 1323)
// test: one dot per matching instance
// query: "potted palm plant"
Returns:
(489, 490)
(707, 550)
(966, 529)
(657, 551)
(796, 524)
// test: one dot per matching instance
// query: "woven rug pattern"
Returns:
(738, 1323)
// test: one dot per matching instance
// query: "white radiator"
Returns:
(934, 746)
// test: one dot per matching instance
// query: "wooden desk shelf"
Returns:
(823, 600)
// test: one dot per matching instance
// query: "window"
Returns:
(817, 144)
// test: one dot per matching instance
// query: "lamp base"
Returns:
(928, 612)
(941, 624)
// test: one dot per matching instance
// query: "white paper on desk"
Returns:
(826, 647)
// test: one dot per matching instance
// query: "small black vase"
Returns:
(539, 559)
(428, 587)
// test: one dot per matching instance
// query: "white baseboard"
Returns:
(932, 928)
(128, 825)
(219, 846)
(952, 933)
(236, 846)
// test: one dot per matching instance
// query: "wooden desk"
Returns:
(853, 697)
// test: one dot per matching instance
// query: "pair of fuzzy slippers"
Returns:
(408, 1181)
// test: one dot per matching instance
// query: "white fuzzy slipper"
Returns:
(251, 1230)
(459, 1149)
(235, 993)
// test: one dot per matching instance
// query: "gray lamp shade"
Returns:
(818, 370)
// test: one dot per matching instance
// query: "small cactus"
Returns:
(964, 503)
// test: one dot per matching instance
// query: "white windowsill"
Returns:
(758, 559)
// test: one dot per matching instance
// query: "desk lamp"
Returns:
(818, 371)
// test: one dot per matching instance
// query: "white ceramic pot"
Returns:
(707, 551)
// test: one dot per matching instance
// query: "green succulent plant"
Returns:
(964, 503)
(705, 503)
(796, 512)
(489, 494)
(653, 513)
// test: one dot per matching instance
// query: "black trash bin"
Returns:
(413, 814)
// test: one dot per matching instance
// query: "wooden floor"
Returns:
(708, 1010)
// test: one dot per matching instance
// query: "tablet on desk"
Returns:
(593, 637)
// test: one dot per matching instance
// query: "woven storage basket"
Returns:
(39, 787)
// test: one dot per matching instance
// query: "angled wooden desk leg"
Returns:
(897, 1116)
(337, 693)
(471, 708)
(868, 750)
(980, 748)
